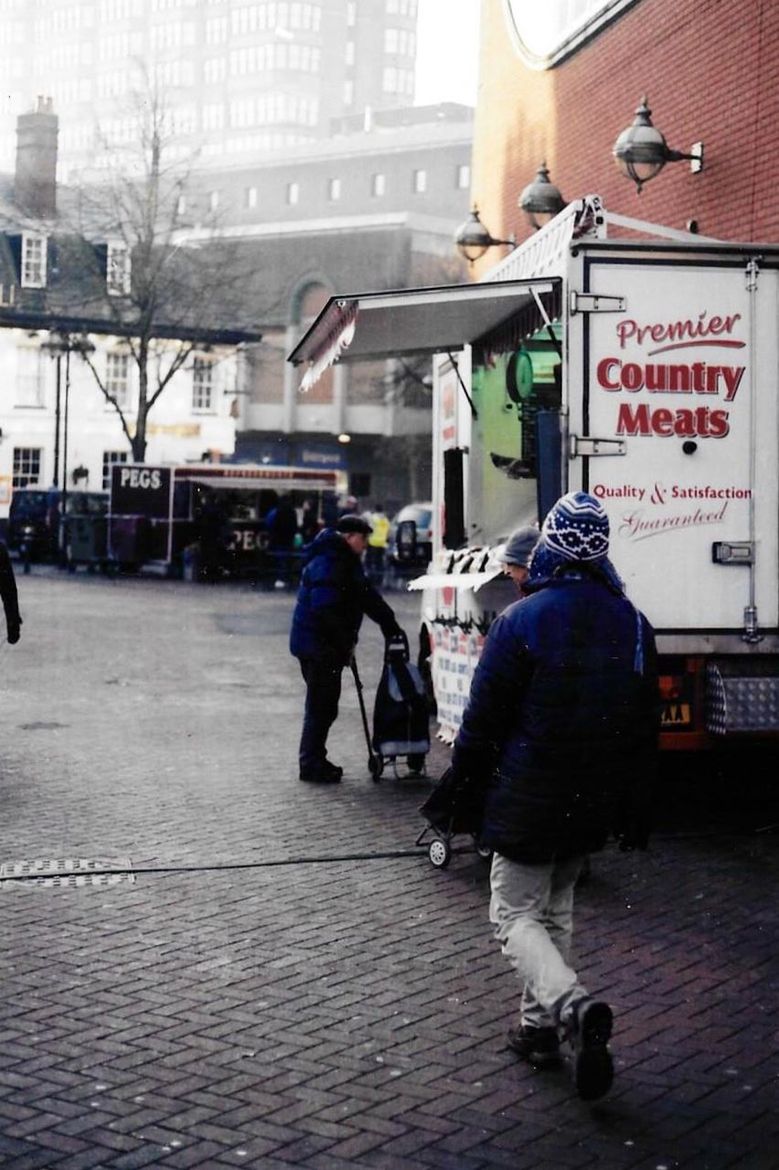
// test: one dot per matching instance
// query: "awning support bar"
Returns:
(449, 354)
(547, 322)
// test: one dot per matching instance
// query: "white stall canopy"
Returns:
(412, 320)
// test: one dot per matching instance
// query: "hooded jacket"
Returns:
(333, 596)
(562, 715)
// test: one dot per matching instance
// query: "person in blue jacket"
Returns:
(560, 732)
(334, 595)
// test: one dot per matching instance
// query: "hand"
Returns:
(633, 836)
(14, 627)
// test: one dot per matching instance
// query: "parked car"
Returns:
(411, 537)
(37, 530)
(32, 524)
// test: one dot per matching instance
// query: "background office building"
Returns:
(240, 78)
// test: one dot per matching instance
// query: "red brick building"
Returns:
(560, 83)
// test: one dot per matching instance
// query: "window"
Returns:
(213, 200)
(117, 269)
(293, 193)
(349, 57)
(348, 92)
(27, 467)
(562, 29)
(420, 182)
(117, 378)
(250, 197)
(463, 177)
(181, 205)
(110, 459)
(378, 185)
(202, 384)
(33, 261)
(29, 376)
(334, 190)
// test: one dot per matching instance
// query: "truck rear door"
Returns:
(678, 434)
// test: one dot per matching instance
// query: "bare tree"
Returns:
(166, 289)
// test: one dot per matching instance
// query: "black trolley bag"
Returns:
(401, 712)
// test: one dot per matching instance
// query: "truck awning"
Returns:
(472, 581)
(406, 321)
(466, 568)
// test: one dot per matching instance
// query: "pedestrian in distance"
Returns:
(282, 522)
(377, 544)
(516, 554)
(348, 507)
(559, 734)
(13, 619)
(334, 595)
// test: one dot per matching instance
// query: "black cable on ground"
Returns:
(134, 871)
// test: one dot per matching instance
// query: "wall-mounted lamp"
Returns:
(541, 200)
(473, 238)
(641, 151)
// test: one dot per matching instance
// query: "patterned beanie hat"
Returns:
(577, 528)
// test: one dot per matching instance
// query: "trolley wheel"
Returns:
(416, 764)
(483, 851)
(375, 767)
(439, 852)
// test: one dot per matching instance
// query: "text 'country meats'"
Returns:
(716, 380)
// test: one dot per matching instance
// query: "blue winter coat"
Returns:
(562, 717)
(333, 596)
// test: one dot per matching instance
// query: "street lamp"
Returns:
(59, 345)
(473, 238)
(641, 151)
(541, 200)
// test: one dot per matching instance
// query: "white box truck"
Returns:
(632, 361)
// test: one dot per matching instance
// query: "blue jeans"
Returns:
(323, 690)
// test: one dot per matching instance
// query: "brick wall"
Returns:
(711, 72)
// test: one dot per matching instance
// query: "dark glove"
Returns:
(633, 834)
(473, 764)
(14, 627)
(633, 822)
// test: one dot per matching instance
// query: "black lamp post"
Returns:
(641, 151)
(59, 345)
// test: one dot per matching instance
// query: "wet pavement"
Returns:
(233, 968)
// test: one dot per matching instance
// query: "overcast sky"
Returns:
(447, 51)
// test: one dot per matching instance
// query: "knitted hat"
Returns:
(577, 528)
(519, 547)
(353, 523)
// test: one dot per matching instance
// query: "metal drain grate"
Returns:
(67, 872)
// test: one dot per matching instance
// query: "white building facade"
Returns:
(57, 427)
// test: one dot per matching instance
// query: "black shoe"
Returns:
(589, 1032)
(333, 770)
(538, 1046)
(321, 776)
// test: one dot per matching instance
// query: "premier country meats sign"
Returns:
(682, 395)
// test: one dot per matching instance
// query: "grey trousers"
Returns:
(531, 908)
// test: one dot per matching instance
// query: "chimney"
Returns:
(35, 180)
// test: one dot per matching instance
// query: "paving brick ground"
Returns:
(241, 1003)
